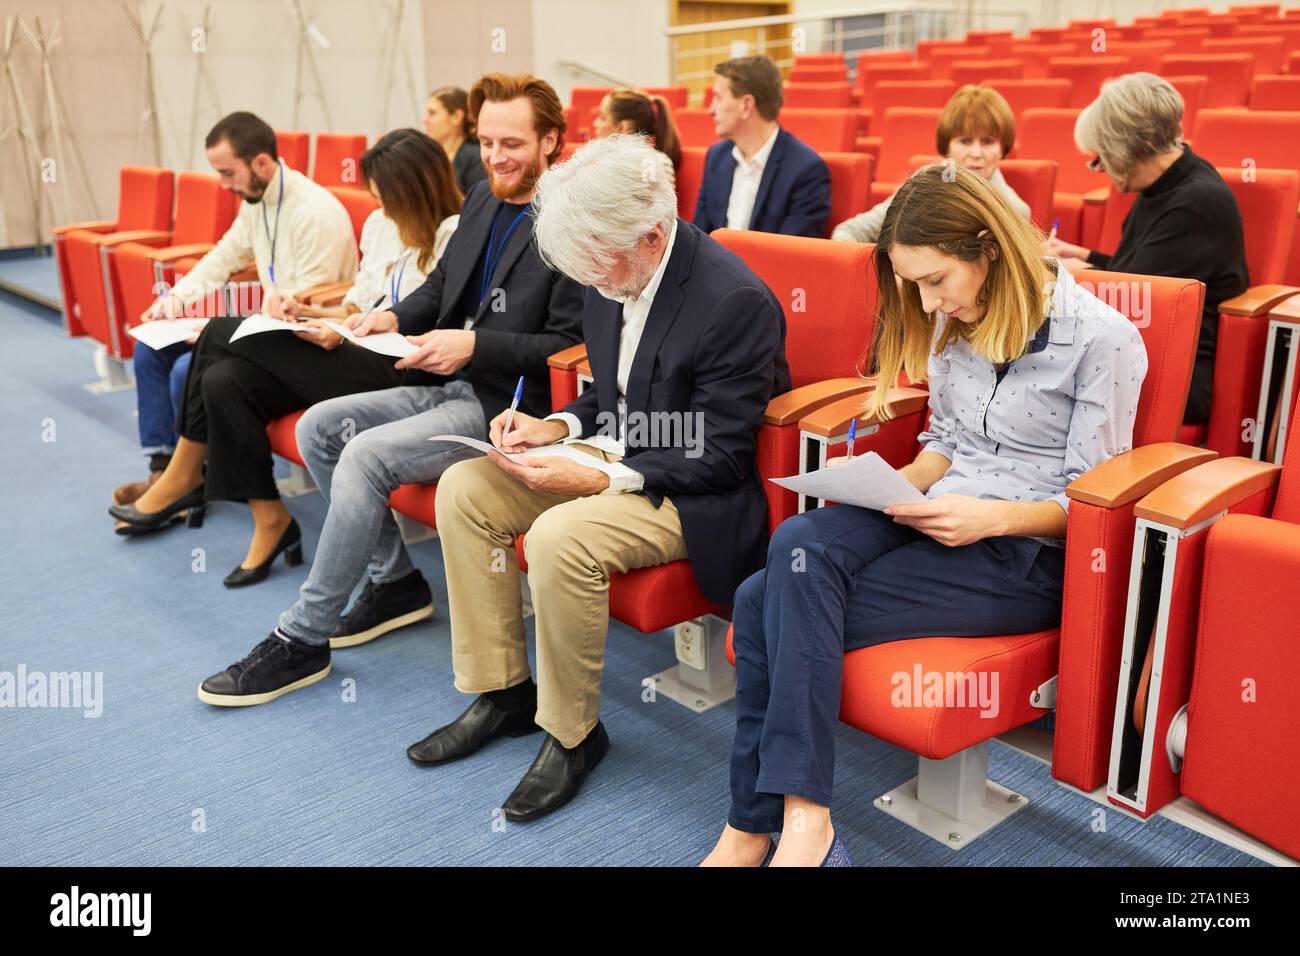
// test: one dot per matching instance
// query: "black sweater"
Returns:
(1186, 224)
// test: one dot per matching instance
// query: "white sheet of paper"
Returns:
(867, 481)
(385, 343)
(164, 332)
(264, 323)
(561, 451)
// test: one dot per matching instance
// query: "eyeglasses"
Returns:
(1095, 164)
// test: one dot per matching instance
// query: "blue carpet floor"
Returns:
(26, 270)
(160, 778)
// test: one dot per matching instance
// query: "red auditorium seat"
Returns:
(204, 211)
(975, 72)
(675, 95)
(824, 73)
(1275, 93)
(1289, 33)
(870, 57)
(817, 95)
(1219, 27)
(338, 159)
(690, 176)
(941, 60)
(85, 252)
(818, 59)
(1143, 55)
(874, 73)
(293, 147)
(1049, 134)
(1229, 75)
(1086, 74)
(1086, 666)
(695, 126)
(907, 132)
(1034, 181)
(889, 94)
(1037, 56)
(850, 186)
(823, 130)
(584, 99)
(1266, 52)
(1022, 95)
(1184, 39)
(359, 203)
(1192, 90)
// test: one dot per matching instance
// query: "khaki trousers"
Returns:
(573, 544)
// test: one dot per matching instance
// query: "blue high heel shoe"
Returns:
(838, 854)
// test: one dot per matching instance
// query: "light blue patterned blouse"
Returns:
(1066, 405)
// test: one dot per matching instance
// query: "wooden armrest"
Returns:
(322, 290)
(833, 419)
(584, 368)
(102, 225)
(568, 359)
(146, 236)
(1288, 310)
(792, 406)
(1096, 197)
(172, 253)
(331, 296)
(1129, 476)
(1204, 491)
(1257, 300)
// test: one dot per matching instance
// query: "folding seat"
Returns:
(817, 95)
(907, 131)
(695, 126)
(1220, 27)
(828, 292)
(870, 57)
(1034, 181)
(1037, 56)
(850, 186)
(1027, 94)
(924, 48)
(1046, 34)
(1143, 55)
(338, 159)
(1265, 199)
(85, 253)
(570, 123)
(1202, 705)
(359, 203)
(1275, 93)
(675, 95)
(204, 211)
(1049, 134)
(823, 130)
(941, 60)
(818, 59)
(1229, 75)
(1086, 74)
(1288, 33)
(1260, 9)
(1091, 24)
(888, 94)
(981, 36)
(584, 99)
(293, 147)
(1193, 90)
(1267, 52)
(690, 177)
(834, 73)
(1067, 667)
(873, 73)
(977, 71)
(1186, 40)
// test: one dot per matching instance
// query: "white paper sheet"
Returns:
(264, 323)
(561, 451)
(867, 481)
(385, 343)
(161, 333)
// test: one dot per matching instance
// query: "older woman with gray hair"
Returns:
(1185, 221)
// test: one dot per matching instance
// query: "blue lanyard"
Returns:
(490, 265)
(270, 270)
(395, 281)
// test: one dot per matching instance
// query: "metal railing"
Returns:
(580, 67)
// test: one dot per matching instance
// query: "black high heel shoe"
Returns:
(191, 507)
(290, 543)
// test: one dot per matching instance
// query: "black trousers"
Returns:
(234, 391)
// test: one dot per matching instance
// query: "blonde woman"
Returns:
(1032, 382)
(976, 131)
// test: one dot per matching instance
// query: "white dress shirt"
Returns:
(635, 313)
(311, 232)
(386, 264)
(745, 181)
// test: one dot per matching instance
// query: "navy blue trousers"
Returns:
(159, 384)
(841, 578)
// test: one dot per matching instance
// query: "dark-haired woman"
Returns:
(446, 120)
(234, 389)
(631, 111)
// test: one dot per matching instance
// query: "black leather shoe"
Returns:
(135, 521)
(482, 722)
(555, 776)
(290, 543)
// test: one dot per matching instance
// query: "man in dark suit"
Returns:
(759, 176)
(489, 312)
(686, 346)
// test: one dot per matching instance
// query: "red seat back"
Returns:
(1267, 199)
(1192, 90)
(822, 130)
(695, 126)
(1049, 134)
(918, 93)
(1086, 74)
(850, 184)
(1267, 52)
(1034, 181)
(144, 198)
(821, 73)
(941, 60)
(675, 95)
(1275, 93)
(338, 159)
(873, 73)
(1143, 55)
(1288, 33)
(293, 147)
(977, 71)
(1271, 139)
(906, 131)
(690, 176)
(1184, 39)
(204, 211)
(817, 95)
(1022, 95)
(1229, 74)
(359, 203)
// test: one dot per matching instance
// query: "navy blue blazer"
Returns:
(794, 195)
(713, 348)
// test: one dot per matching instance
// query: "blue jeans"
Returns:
(359, 448)
(159, 384)
(841, 578)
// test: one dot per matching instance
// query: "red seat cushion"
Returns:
(284, 441)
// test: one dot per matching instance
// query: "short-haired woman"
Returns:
(1032, 382)
(1185, 221)
(234, 390)
(447, 121)
(977, 130)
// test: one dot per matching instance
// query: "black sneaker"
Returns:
(272, 669)
(381, 608)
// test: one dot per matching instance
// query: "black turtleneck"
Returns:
(1186, 224)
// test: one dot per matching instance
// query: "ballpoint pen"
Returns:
(1055, 226)
(519, 393)
(853, 433)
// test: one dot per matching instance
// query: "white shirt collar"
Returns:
(652, 287)
(764, 151)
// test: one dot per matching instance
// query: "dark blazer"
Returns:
(467, 165)
(713, 345)
(794, 195)
(542, 314)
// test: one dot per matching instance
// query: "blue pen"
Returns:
(1055, 226)
(519, 393)
(853, 433)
